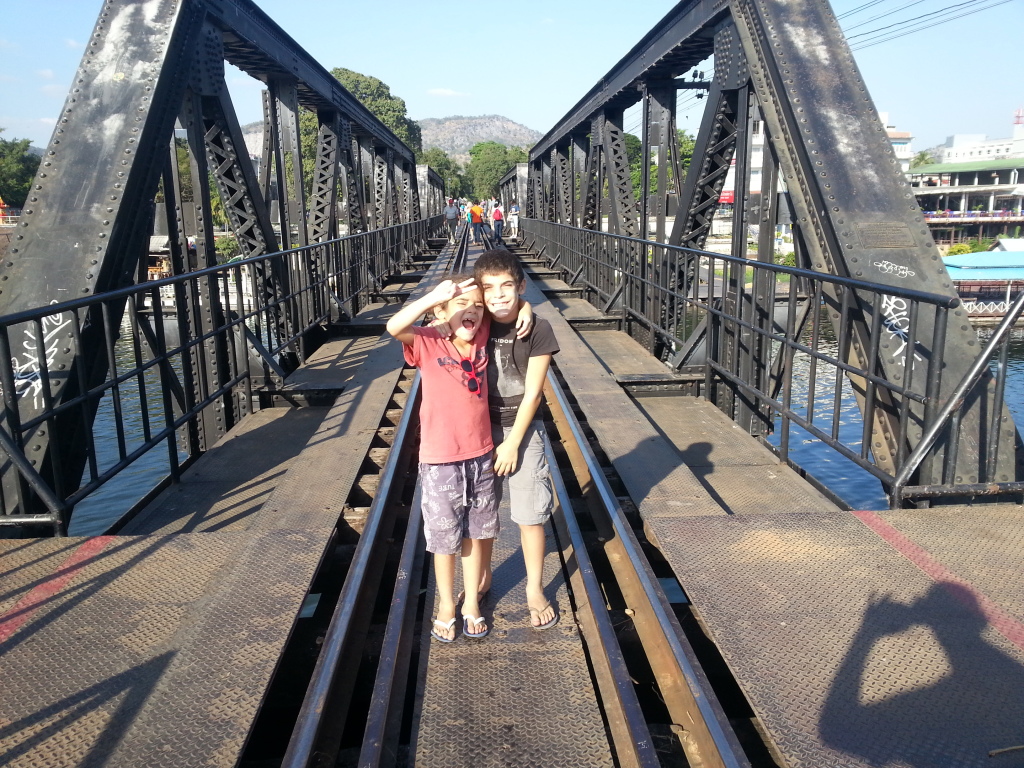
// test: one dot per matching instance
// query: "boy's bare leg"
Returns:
(444, 575)
(472, 570)
(534, 543)
(487, 547)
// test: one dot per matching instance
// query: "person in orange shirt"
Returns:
(476, 216)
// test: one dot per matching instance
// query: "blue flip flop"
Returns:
(476, 621)
(446, 625)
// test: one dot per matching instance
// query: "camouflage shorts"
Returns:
(458, 502)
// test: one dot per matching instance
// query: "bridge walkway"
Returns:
(157, 646)
(858, 638)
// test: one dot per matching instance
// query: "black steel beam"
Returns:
(676, 43)
(257, 45)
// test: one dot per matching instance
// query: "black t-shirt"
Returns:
(507, 359)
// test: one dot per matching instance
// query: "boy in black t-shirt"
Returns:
(516, 370)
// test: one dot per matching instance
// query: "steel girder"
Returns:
(788, 65)
(89, 215)
(514, 185)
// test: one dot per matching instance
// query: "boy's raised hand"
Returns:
(447, 290)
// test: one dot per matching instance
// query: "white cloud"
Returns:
(69, 43)
(54, 90)
(48, 121)
(445, 92)
(6, 44)
(45, 74)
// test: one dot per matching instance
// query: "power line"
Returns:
(941, 11)
(860, 8)
(903, 33)
(883, 15)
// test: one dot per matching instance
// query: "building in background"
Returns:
(976, 147)
(901, 142)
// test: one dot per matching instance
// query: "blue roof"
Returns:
(986, 259)
(987, 265)
(994, 273)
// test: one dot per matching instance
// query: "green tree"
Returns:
(489, 161)
(634, 152)
(685, 142)
(924, 157)
(447, 168)
(389, 109)
(373, 94)
(17, 169)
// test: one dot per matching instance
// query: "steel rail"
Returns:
(329, 692)
(386, 704)
(311, 745)
(939, 300)
(709, 739)
(630, 735)
(953, 403)
(217, 270)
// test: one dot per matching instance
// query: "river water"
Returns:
(843, 477)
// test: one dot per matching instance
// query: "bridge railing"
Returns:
(183, 356)
(772, 346)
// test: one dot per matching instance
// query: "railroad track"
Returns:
(652, 668)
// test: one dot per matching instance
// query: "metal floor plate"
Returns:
(143, 651)
(233, 479)
(520, 698)
(848, 652)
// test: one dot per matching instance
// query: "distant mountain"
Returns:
(456, 134)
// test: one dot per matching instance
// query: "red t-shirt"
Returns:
(455, 424)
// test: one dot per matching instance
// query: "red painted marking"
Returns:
(15, 618)
(962, 591)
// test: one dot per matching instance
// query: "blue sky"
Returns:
(532, 60)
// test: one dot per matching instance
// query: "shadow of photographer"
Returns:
(928, 684)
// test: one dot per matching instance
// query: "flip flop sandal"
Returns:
(538, 612)
(476, 621)
(445, 625)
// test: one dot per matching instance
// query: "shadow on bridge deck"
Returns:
(859, 639)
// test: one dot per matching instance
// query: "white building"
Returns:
(900, 142)
(972, 147)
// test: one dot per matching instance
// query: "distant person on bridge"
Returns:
(476, 219)
(497, 221)
(451, 219)
(513, 219)
(516, 370)
(458, 498)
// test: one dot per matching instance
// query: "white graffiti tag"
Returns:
(896, 319)
(894, 269)
(28, 379)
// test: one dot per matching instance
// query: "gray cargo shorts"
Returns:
(458, 502)
(529, 487)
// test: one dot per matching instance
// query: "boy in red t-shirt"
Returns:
(460, 508)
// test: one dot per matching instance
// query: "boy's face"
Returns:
(501, 295)
(464, 313)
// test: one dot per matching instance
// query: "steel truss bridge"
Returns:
(151, 86)
(267, 601)
(828, 170)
